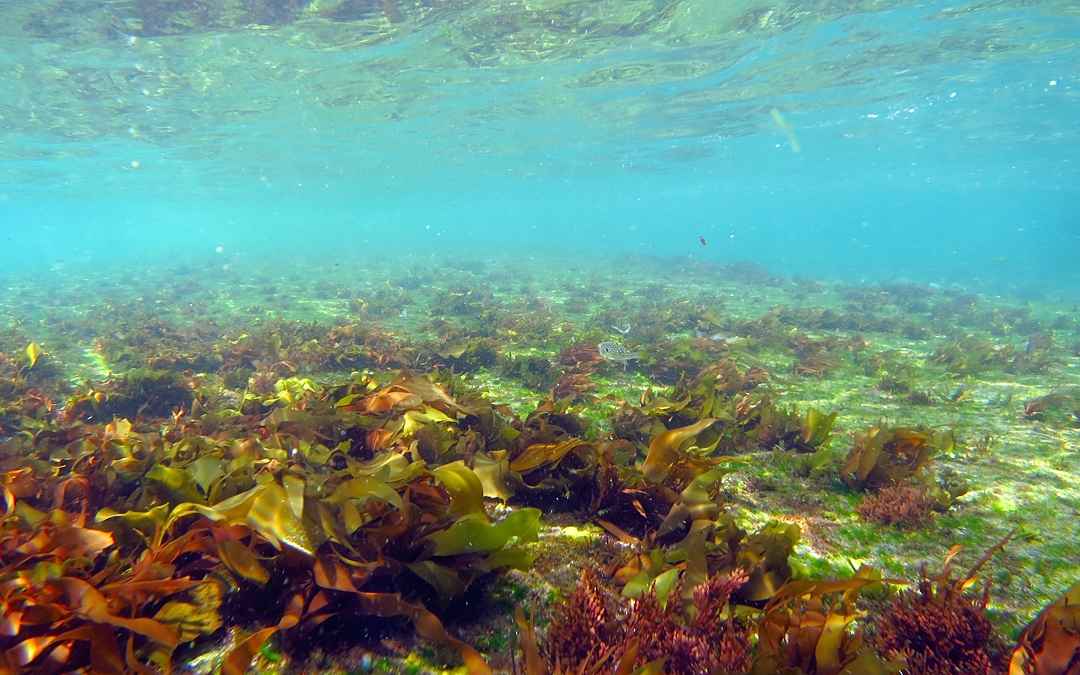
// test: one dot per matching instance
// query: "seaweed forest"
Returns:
(516, 464)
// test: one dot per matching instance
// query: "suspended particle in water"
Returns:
(220, 249)
(136, 164)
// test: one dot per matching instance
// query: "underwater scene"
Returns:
(540, 337)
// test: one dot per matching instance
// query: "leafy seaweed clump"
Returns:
(903, 504)
(144, 520)
(884, 458)
(1054, 408)
(806, 629)
(590, 629)
(940, 630)
(145, 391)
(1051, 642)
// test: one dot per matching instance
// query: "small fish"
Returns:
(786, 128)
(702, 238)
(616, 352)
(404, 314)
(720, 337)
(622, 331)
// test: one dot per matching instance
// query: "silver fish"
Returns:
(616, 352)
(720, 337)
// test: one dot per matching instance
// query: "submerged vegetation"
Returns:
(206, 468)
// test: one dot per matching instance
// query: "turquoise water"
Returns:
(938, 140)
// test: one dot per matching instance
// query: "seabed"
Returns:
(261, 444)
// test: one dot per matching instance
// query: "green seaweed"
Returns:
(315, 387)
